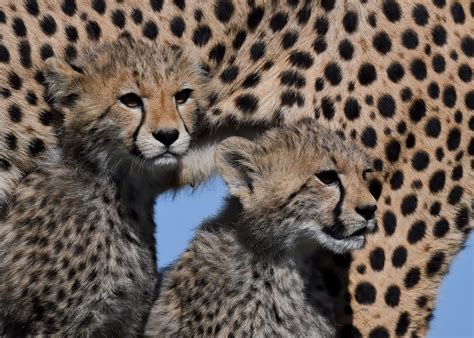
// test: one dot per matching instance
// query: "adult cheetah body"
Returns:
(395, 76)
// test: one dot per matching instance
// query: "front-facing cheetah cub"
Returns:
(244, 272)
(77, 248)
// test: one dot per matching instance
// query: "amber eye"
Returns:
(328, 177)
(182, 96)
(366, 173)
(131, 100)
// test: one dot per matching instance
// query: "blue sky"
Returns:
(177, 218)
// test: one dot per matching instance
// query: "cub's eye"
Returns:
(182, 96)
(131, 100)
(328, 177)
(366, 173)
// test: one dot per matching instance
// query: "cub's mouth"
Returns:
(166, 154)
(166, 158)
(336, 238)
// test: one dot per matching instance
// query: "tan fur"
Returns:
(446, 213)
(246, 271)
(77, 246)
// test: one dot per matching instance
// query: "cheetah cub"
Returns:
(77, 248)
(244, 272)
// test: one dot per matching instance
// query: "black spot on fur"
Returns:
(239, 39)
(229, 74)
(289, 39)
(71, 33)
(15, 113)
(99, 6)
(201, 35)
(392, 296)
(377, 259)
(455, 195)
(420, 160)
(46, 51)
(32, 7)
(292, 78)
(69, 7)
(399, 257)
(386, 105)
(25, 53)
(327, 107)
(462, 218)
(257, 51)
(48, 25)
(224, 9)
(137, 16)
(392, 10)
(435, 263)
(389, 221)
(439, 35)
(412, 278)
(4, 164)
(119, 19)
(333, 73)
(346, 49)
(367, 74)
(247, 103)
(417, 232)
(156, 5)
(392, 150)
(457, 11)
(217, 53)
(420, 15)
(36, 147)
(291, 97)
(301, 59)
(365, 293)
(255, 17)
(93, 30)
(177, 26)
(369, 137)
(251, 81)
(19, 27)
(417, 110)
(402, 324)
(467, 46)
(150, 30)
(278, 21)
(409, 204)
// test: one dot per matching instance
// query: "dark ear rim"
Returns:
(237, 161)
(61, 78)
(233, 162)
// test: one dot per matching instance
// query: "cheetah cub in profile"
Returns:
(244, 273)
(77, 248)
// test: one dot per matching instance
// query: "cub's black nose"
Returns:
(367, 211)
(166, 136)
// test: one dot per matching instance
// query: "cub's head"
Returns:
(300, 183)
(128, 100)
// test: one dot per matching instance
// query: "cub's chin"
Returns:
(166, 160)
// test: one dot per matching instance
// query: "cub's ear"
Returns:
(234, 163)
(62, 79)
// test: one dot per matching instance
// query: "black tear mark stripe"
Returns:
(342, 194)
(136, 151)
(182, 119)
(337, 229)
